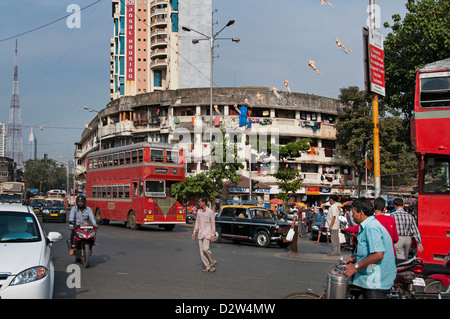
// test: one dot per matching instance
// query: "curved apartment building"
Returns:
(183, 117)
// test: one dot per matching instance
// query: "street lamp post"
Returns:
(211, 39)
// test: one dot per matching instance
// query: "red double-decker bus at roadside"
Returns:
(430, 135)
(133, 184)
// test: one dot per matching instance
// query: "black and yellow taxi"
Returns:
(54, 209)
(37, 203)
(250, 223)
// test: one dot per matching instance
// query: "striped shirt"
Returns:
(406, 225)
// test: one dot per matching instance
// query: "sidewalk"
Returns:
(310, 251)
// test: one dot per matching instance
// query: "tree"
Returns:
(225, 166)
(354, 128)
(45, 175)
(288, 180)
(421, 37)
(355, 138)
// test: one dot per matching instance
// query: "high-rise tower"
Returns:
(14, 146)
(147, 52)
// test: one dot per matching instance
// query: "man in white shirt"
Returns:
(333, 222)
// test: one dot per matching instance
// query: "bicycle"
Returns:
(403, 288)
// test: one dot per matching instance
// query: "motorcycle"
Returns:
(409, 282)
(83, 240)
(439, 283)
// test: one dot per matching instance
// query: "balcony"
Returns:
(158, 64)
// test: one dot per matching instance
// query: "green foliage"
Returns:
(355, 137)
(225, 166)
(288, 180)
(421, 37)
(45, 174)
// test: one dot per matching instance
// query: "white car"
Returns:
(26, 268)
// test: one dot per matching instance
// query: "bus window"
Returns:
(114, 194)
(115, 159)
(94, 162)
(120, 193)
(100, 162)
(121, 158)
(436, 178)
(103, 191)
(435, 90)
(172, 156)
(110, 160)
(140, 155)
(134, 156)
(127, 157)
(126, 191)
(156, 155)
(109, 190)
(141, 188)
(155, 188)
(135, 189)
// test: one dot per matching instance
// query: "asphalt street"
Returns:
(151, 263)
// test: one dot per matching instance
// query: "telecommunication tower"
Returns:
(14, 146)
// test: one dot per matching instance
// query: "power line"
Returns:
(50, 23)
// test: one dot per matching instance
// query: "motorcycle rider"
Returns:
(79, 214)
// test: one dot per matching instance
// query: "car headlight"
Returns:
(46, 211)
(62, 211)
(29, 275)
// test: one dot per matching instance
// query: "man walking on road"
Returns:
(406, 227)
(333, 221)
(205, 226)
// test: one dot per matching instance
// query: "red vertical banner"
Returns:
(376, 62)
(131, 26)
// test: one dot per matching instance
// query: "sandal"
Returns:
(212, 269)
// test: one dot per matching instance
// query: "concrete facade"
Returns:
(182, 117)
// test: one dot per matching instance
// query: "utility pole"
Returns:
(376, 122)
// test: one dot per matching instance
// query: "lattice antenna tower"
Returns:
(14, 145)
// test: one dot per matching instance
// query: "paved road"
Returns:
(153, 263)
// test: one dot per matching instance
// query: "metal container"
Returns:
(337, 284)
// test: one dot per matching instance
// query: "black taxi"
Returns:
(250, 223)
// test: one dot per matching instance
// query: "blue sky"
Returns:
(62, 69)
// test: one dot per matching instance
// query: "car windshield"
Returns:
(54, 203)
(37, 202)
(18, 227)
(10, 198)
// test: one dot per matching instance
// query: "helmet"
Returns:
(81, 201)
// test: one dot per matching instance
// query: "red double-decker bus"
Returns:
(133, 184)
(430, 135)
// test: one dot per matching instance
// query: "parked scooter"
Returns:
(83, 241)
(439, 283)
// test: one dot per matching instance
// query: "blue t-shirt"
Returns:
(373, 238)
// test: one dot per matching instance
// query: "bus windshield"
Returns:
(155, 188)
(436, 177)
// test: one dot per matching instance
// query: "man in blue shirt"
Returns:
(373, 267)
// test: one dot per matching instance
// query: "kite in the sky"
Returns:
(325, 1)
(312, 64)
(275, 92)
(286, 84)
(342, 47)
